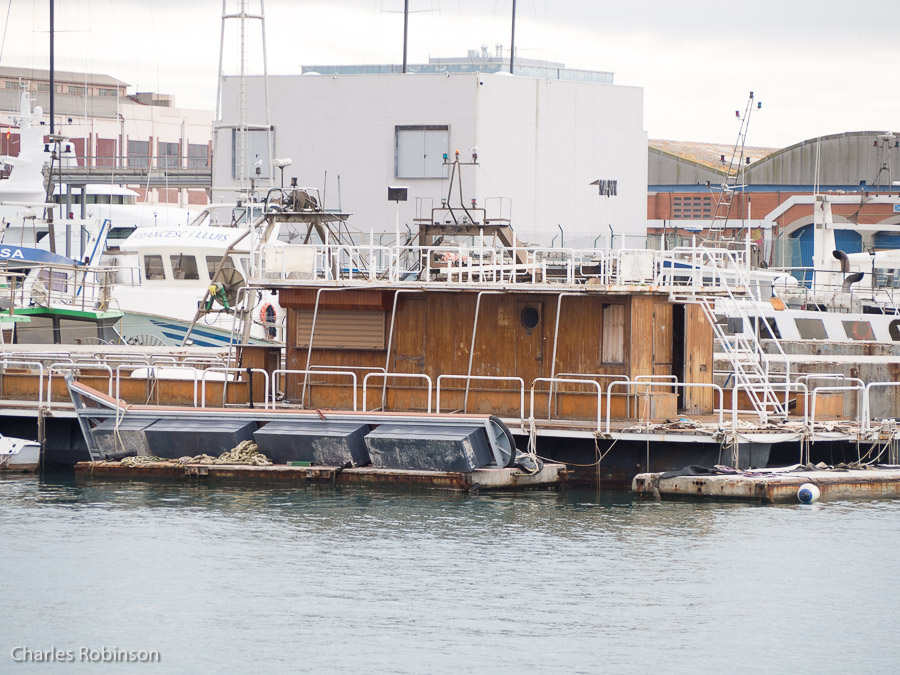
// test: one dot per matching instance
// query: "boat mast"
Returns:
(512, 42)
(52, 78)
(241, 129)
(405, 30)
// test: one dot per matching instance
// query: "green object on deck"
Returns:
(298, 463)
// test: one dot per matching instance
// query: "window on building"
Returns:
(419, 151)
(691, 208)
(153, 267)
(139, 154)
(184, 266)
(12, 85)
(108, 92)
(43, 87)
(198, 156)
(168, 155)
(255, 152)
(612, 348)
(77, 91)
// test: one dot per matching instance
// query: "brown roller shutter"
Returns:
(339, 329)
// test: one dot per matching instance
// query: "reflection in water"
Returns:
(322, 580)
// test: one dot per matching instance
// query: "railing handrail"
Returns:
(314, 371)
(649, 383)
(854, 387)
(482, 378)
(400, 375)
(226, 370)
(560, 380)
(17, 362)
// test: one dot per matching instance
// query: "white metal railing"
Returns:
(227, 371)
(852, 387)
(867, 401)
(482, 263)
(59, 367)
(631, 384)
(559, 380)
(6, 363)
(412, 376)
(485, 378)
(314, 371)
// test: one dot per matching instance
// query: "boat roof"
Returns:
(16, 256)
(97, 189)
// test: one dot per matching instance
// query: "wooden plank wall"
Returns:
(433, 336)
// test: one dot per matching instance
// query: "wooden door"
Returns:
(662, 338)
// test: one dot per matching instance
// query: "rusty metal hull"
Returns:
(552, 476)
(773, 488)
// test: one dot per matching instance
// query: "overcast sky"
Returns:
(817, 67)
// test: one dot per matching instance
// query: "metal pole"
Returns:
(512, 45)
(52, 78)
(405, 30)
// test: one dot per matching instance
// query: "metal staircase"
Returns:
(719, 283)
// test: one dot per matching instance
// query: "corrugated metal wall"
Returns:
(844, 159)
(667, 169)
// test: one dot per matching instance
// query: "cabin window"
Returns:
(530, 317)
(153, 267)
(184, 266)
(212, 263)
(57, 282)
(612, 347)
(858, 330)
(811, 329)
(770, 332)
(894, 330)
(341, 329)
(419, 151)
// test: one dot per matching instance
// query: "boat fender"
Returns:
(808, 493)
(119, 456)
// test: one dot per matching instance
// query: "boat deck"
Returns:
(551, 476)
(773, 486)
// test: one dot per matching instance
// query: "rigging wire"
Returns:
(5, 26)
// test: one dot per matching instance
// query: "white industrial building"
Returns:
(107, 127)
(540, 143)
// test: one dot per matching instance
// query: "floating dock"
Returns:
(773, 486)
(551, 475)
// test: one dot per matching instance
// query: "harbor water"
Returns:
(294, 579)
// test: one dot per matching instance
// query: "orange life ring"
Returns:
(265, 315)
(862, 330)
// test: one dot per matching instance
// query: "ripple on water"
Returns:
(320, 579)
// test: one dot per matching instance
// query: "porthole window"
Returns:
(530, 318)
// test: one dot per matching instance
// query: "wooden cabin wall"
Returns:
(433, 336)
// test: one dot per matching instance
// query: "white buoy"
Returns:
(808, 493)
